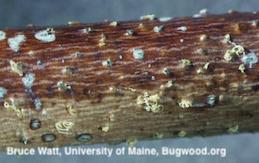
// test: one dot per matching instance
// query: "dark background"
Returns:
(15, 13)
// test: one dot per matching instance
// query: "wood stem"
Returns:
(114, 81)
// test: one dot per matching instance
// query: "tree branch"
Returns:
(116, 81)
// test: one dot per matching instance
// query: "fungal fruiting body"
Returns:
(37, 104)
(158, 135)
(35, 124)
(48, 137)
(182, 133)
(164, 19)
(242, 68)
(185, 103)
(249, 59)
(229, 55)
(102, 41)
(206, 66)
(28, 80)
(3, 92)
(73, 22)
(182, 28)
(186, 63)
(47, 35)
(64, 127)
(107, 63)
(148, 17)
(86, 30)
(200, 71)
(227, 39)
(17, 67)
(113, 24)
(63, 86)
(23, 136)
(233, 129)
(68, 70)
(150, 102)
(105, 127)
(141, 26)
(158, 29)
(202, 13)
(71, 110)
(84, 137)
(167, 71)
(254, 23)
(203, 37)
(201, 51)
(132, 141)
(14, 42)
(238, 50)
(169, 84)
(138, 53)
(13, 105)
(2, 35)
(211, 100)
(24, 140)
(129, 32)
(233, 53)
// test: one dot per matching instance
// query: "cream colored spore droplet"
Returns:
(47, 35)
(148, 17)
(138, 53)
(64, 127)
(186, 103)
(203, 37)
(17, 67)
(233, 129)
(114, 24)
(105, 127)
(182, 133)
(68, 70)
(164, 19)
(86, 30)
(150, 102)
(102, 40)
(182, 28)
(242, 68)
(227, 38)
(107, 63)
(186, 63)
(158, 29)
(131, 141)
(28, 80)
(15, 42)
(63, 86)
(3, 92)
(2, 35)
